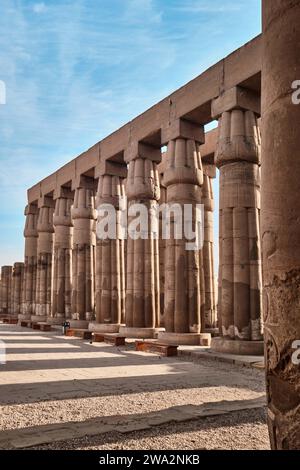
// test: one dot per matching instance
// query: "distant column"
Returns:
(63, 234)
(238, 158)
(83, 253)
(142, 289)
(209, 172)
(30, 262)
(44, 259)
(17, 288)
(6, 282)
(183, 179)
(110, 263)
(162, 244)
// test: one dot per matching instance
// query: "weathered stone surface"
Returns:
(6, 282)
(110, 262)
(62, 259)
(238, 158)
(44, 260)
(17, 288)
(30, 261)
(183, 178)
(280, 218)
(210, 296)
(142, 291)
(83, 254)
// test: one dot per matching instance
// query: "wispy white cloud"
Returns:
(39, 7)
(208, 7)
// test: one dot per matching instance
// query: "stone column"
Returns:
(162, 244)
(17, 289)
(30, 262)
(6, 282)
(238, 158)
(142, 289)
(209, 172)
(83, 253)
(280, 219)
(62, 259)
(44, 259)
(183, 179)
(110, 263)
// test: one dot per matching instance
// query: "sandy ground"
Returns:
(51, 379)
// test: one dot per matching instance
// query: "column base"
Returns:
(238, 347)
(23, 317)
(139, 333)
(185, 339)
(213, 331)
(55, 321)
(80, 324)
(38, 318)
(104, 327)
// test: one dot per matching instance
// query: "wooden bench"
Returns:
(35, 326)
(79, 333)
(5, 320)
(167, 350)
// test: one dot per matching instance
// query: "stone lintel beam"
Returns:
(209, 170)
(46, 201)
(85, 182)
(31, 209)
(141, 150)
(181, 128)
(235, 98)
(63, 192)
(109, 168)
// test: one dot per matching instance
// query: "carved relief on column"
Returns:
(183, 179)
(17, 288)
(44, 259)
(142, 289)
(238, 158)
(62, 272)
(6, 284)
(83, 253)
(30, 262)
(110, 264)
(208, 248)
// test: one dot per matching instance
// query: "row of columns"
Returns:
(69, 274)
(145, 284)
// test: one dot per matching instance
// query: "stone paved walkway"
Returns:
(63, 388)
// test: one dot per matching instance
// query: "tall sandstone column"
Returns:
(209, 172)
(83, 252)
(162, 242)
(110, 263)
(238, 158)
(6, 282)
(44, 259)
(280, 218)
(30, 262)
(62, 259)
(17, 288)
(142, 289)
(184, 279)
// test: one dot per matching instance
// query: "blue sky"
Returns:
(76, 70)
